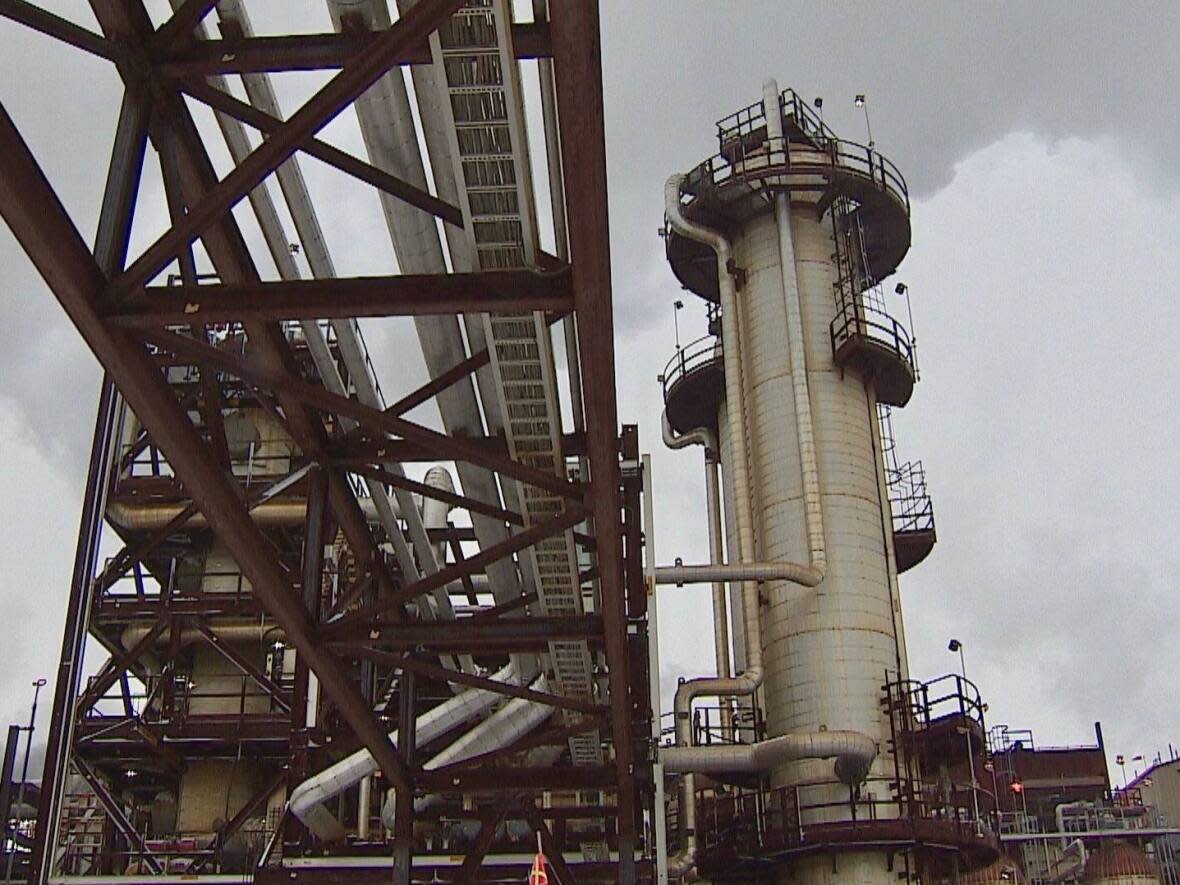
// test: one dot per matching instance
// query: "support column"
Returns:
(403, 821)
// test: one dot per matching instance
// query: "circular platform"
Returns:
(870, 342)
(937, 843)
(694, 385)
(724, 192)
(910, 547)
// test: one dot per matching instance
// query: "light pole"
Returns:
(24, 774)
(953, 646)
(861, 102)
(677, 306)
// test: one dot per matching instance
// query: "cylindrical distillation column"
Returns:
(826, 649)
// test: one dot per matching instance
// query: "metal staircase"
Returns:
(486, 129)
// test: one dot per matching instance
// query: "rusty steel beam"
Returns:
(118, 665)
(508, 780)
(259, 678)
(557, 736)
(321, 150)
(355, 448)
(571, 516)
(444, 447)
(441, 382)
(309, 52)
(458, 677)
(456, 548)
(469, 872)
(42, 227)
(473, 505)
(126, 21)
(180, 26)
(501, 291)
(357, 76)
(577, 61)
(490, 614)
(55, 26)
(467, 634)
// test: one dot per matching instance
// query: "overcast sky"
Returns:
(1039, 142)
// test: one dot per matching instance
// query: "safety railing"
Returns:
(793, 107)
(909, 502)
(927, 702)
(184, 580)
(747, 155)
(859, 318)
(756, 823)
(693, 356)
(221, 692)
(713, 725)
(754, 165)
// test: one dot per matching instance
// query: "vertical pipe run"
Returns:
(716, 557)
(807, 457)
(653, 671)
(403, 828)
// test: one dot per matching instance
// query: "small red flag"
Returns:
(538, 876)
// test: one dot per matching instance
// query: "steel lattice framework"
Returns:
(233, 340)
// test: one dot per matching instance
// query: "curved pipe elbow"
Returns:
(854, 753)
(700, 436)
(681, 225)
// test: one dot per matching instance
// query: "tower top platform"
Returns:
(814, 165)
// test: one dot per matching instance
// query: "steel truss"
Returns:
(367, 643)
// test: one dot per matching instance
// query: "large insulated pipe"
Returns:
(434, 511)
(708, 439)
(854, 753)
(307, 800)
(810, 574)
(812, 504)
(751, 677)
(507, 725)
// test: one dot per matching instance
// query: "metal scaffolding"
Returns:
(308, 532)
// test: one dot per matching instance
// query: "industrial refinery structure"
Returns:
(343, 644)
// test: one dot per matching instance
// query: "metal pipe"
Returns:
(748, 681)
(307, 800)
(708, 439)
(812, 503)
(364, 793)
(751, 677)
(854, 753)
(737, 571)
(507, 725)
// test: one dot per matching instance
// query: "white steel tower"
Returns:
(787, 233)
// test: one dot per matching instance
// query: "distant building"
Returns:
(1056, 810)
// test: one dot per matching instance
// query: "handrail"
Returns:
(693, 356)
(909, 502)
(836, 155)
(963, 698)
(752, 823)
(858, 317)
